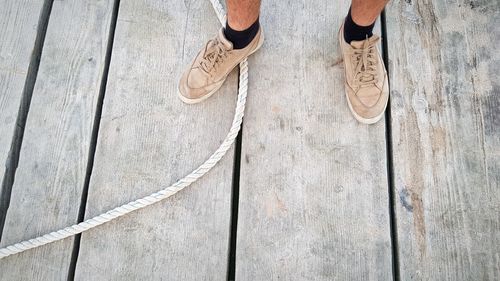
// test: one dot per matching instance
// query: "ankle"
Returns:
(355, 32)
(241, 39)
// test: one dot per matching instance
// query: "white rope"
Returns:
(157, 196)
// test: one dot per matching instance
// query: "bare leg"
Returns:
(241, 14)
(365, 12)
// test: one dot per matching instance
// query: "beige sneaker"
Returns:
(366, 84)
(209, 70)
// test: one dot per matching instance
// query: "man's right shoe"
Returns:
(208, 71)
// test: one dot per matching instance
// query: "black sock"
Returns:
(241, 39)
(354, 32)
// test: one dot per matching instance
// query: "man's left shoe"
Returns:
(366, 83)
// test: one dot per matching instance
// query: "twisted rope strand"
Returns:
(161, 194)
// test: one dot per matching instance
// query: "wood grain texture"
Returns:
(18, 30)
(313, 189)
(50, 177)
(444, 65)
(148, 139)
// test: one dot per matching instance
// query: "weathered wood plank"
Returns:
(444, 65)
(313, 191)
(50, 177)
(18, 31)
(149, 139)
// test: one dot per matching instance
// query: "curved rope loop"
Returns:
(161, 194)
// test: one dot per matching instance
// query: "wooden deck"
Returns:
(90, 119)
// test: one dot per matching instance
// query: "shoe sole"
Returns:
(198, 100)
(367, 121)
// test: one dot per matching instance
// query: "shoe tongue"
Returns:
(359, 44)
(228, 44)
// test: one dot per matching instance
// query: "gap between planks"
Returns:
(93, 139)
(231, 270)
(390, 168)
(17, 138)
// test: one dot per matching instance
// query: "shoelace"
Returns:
(215, 54)
(366, 64)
